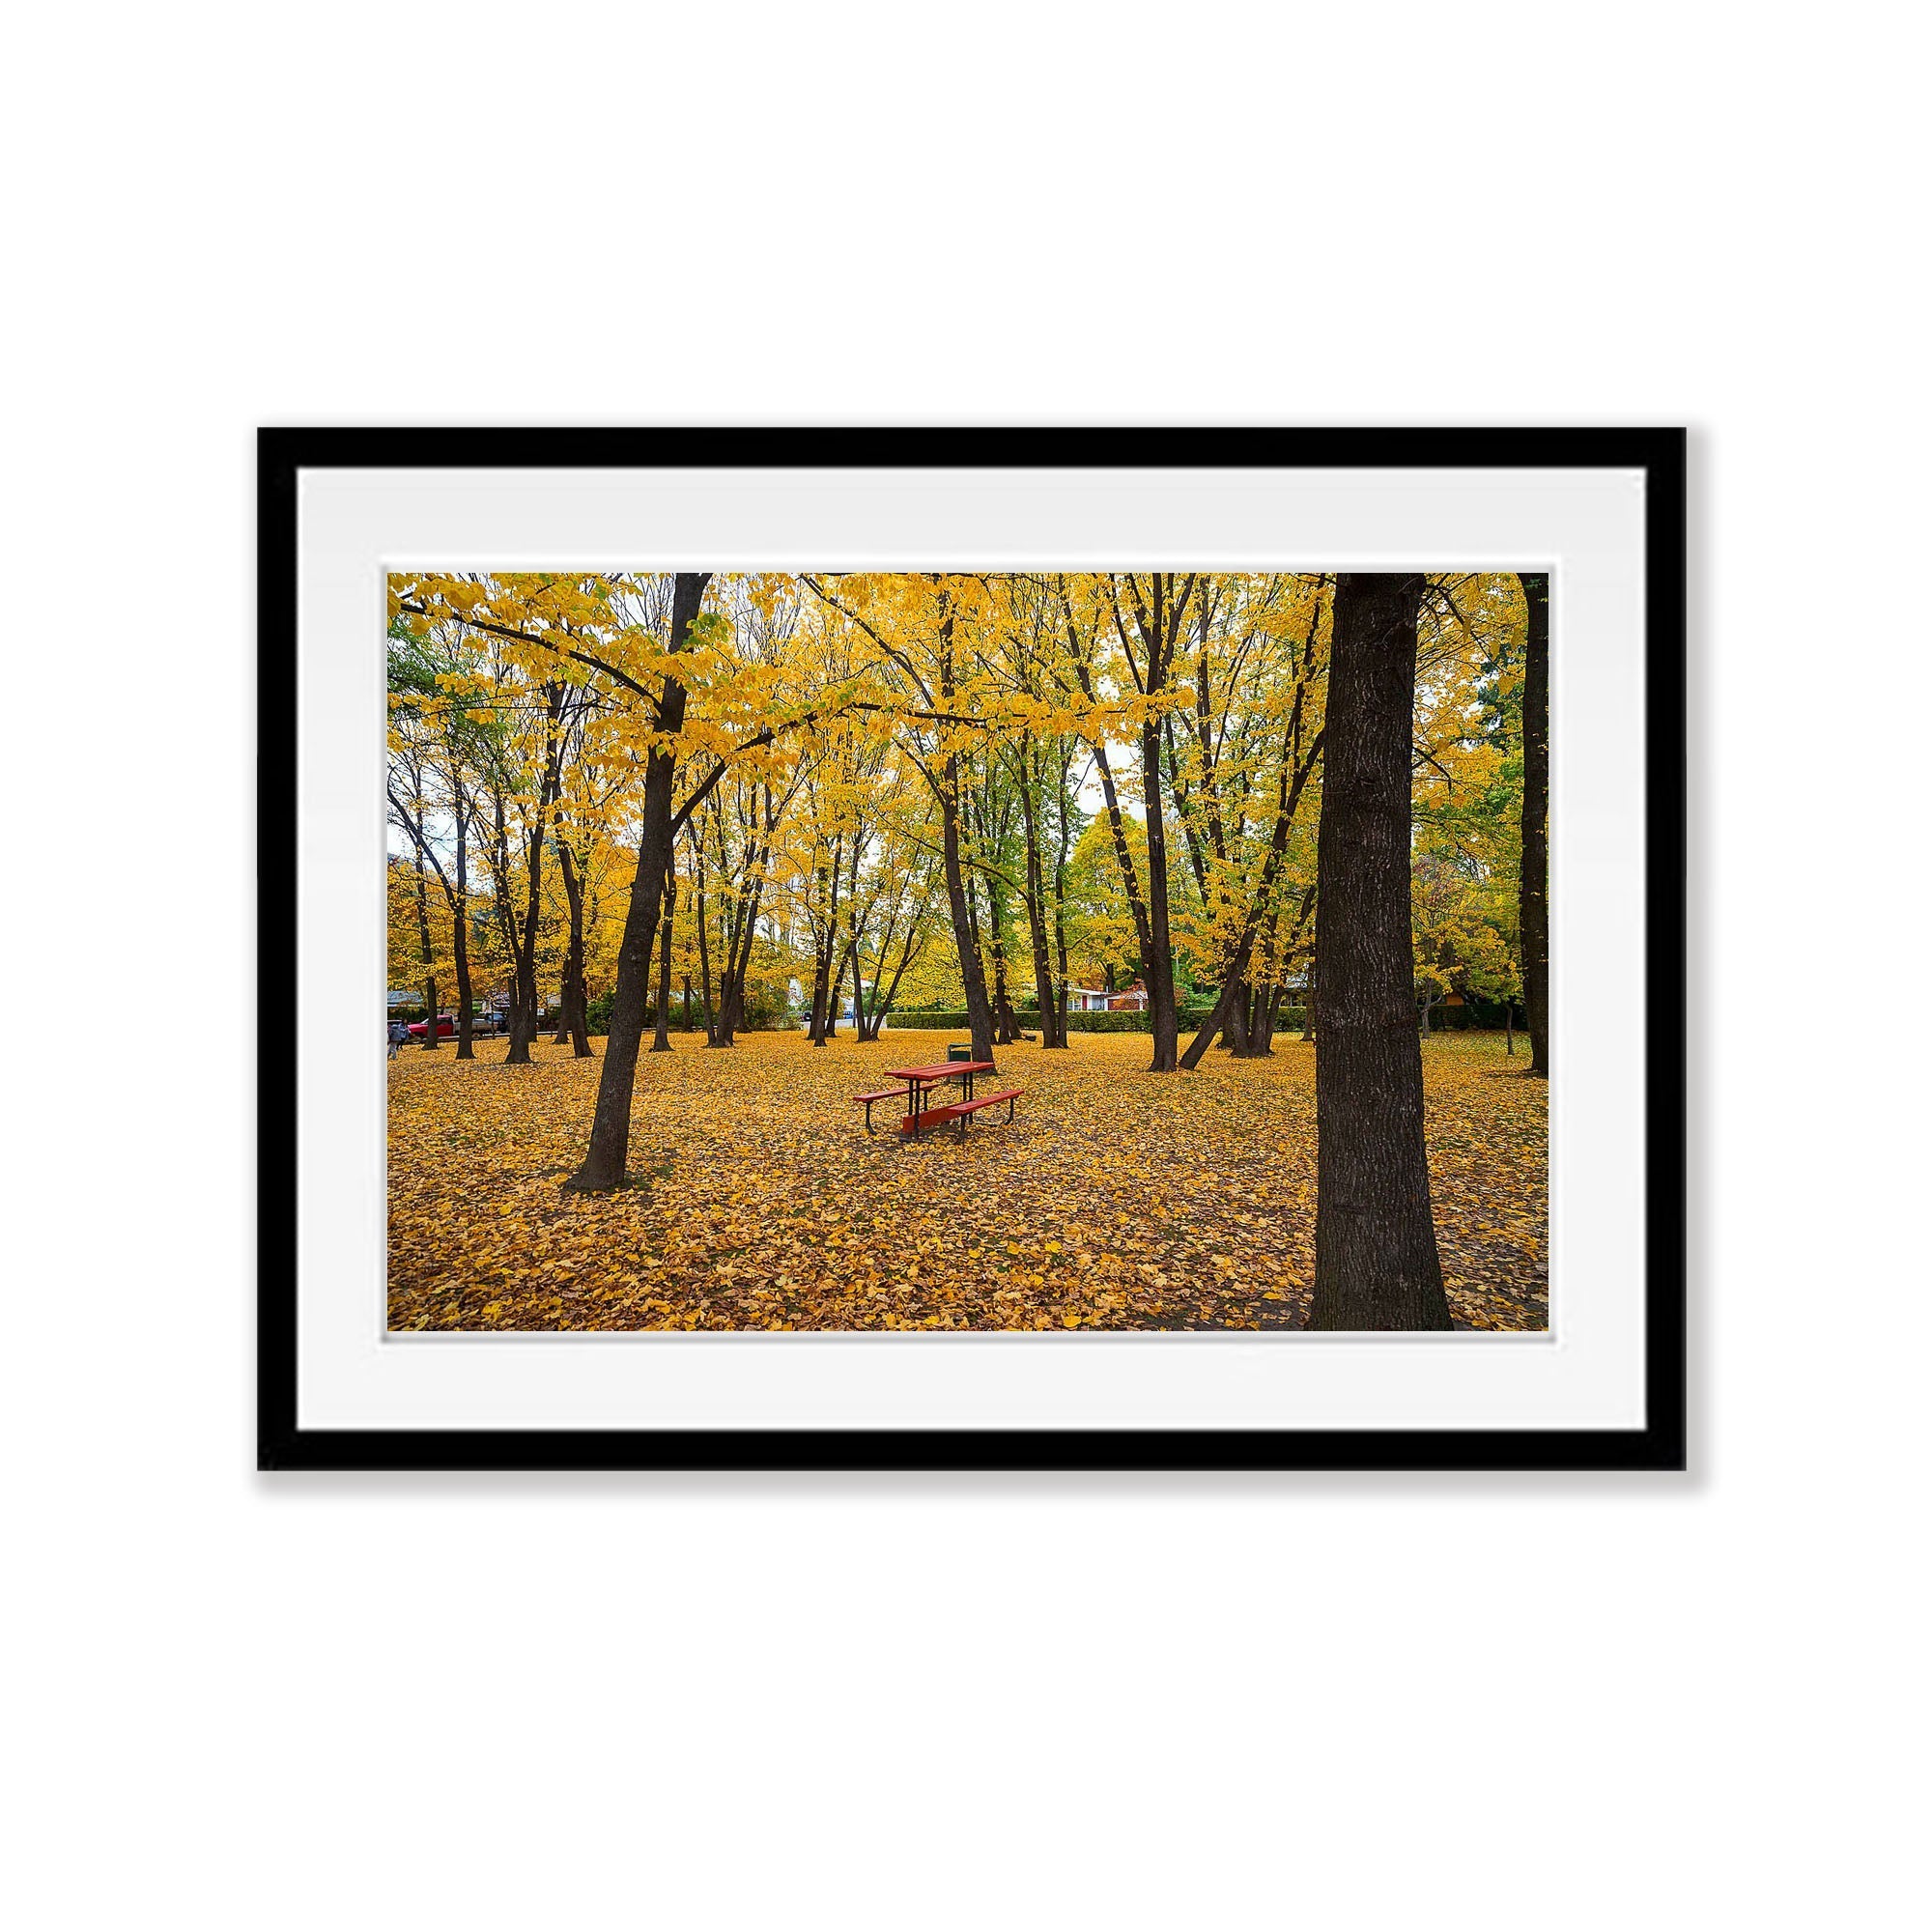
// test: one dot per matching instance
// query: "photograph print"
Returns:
(1057, 952)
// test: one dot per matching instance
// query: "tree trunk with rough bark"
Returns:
(660, 1040)
(972, 974)
(1050, 1032)
(1260, 1031)
(1005, 1022)
(701, 919)
(465, 999)
(574, 1016)
(1264, 904)
(822, 977)
(1061, 849)
(524, 1034)
(506, 915)
(1375, 1261)
(1158, 967)
(605, 1161)
(430, 1041)
(972, 971)
(739, 933)
(1534, 909)
(1236, 1035)
(860, 1027)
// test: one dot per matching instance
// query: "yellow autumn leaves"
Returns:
(1112, 1201)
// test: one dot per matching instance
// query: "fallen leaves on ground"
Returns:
(1116, 1199)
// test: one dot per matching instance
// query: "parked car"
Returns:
(484, 1023)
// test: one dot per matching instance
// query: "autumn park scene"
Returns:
(939, 952)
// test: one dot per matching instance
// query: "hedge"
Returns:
(1028, 1019)
(1477, 1015)
(1474, 1016)
(760, 1016)
(1287, 1020)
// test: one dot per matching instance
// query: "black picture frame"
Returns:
(1659, 1444)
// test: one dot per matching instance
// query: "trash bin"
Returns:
(954, 1053)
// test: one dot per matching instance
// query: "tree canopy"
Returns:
(879, 789)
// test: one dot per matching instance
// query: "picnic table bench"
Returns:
(869, 1101)
(961, 1109)
(919, 1081)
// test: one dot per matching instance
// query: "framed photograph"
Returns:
(972, 949)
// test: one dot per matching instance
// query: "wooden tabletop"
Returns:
(939, 1071)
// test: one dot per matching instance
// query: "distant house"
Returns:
(1097, 1000)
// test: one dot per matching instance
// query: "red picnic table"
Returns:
(919, 1083)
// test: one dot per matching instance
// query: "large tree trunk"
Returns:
(1062, 843)
(576, 1015)
(1235, 987)
(1160, 618)
(1273, 992)
(661, 1042)
(1375, 1263)
(526, 1009)
(703, 918)
(606, 1159)
(1260, 1031)
(972, 975)
(466, 1003)
(428, 947)
(739, 930)
(1264, 904)
(704, 976)
(1005, 1022)
(1117, 824)
(1158, 966)
(884, 996)
(821, 990)
(732, 968)
(524, 1036)
(749, 900)
(837, 980)
(1065, 977)
(572, 966)
(824, 995)
(1534, 910)
(1236, 1035)
(1035, 909)
(865, 1029)
(507, 914)
(526, 1013)
(1269, 991)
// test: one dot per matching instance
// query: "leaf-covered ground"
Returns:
(1115, 1199)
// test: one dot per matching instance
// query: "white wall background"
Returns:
(626, 1702)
